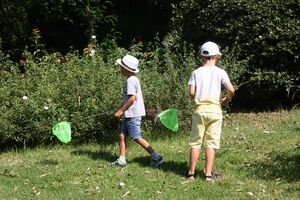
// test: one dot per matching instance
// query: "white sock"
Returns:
(122, 159)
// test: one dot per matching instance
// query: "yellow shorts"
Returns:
(206, 129)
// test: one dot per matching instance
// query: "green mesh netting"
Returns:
(62, 131)
(169, 119)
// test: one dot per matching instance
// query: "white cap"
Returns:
(209, 49)
(130, 63)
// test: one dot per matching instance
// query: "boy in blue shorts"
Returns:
(132, 110)
(205, 89)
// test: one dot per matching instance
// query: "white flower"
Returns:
(92, 53)
(24, 97)
(93, 36)
(46, 107)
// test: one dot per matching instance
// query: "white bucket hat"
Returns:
(209, 49)
(130, 63)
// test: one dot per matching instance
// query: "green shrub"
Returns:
(84, 90)
(79, 90)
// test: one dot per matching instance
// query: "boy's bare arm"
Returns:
(192, 90)
(125, 106)
(230, 92)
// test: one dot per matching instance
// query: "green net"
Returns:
(62, 131)
(169, 119)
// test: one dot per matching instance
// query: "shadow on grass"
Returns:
(281, 166)
(96, 155)
(179, 168)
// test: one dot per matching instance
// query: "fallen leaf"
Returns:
(126, 194)
(184, 182)
(250, 194)
(41, 176)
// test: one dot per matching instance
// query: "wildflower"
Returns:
(24, 98)
(93, 36)
(24, 61)
(93, 101)
(46, 108)
(92, 52)
(35, 30)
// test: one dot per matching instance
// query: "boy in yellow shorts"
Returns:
(205, 89)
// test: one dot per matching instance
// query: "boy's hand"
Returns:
(119, 114)
(125, 106)
(224, 101)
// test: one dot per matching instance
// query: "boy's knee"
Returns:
(137, 139)
(121, 136)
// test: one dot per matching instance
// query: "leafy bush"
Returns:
(44, 89)
(80, 90)
(85, 90)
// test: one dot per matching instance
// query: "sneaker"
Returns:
(213, 177)
(190, 177)
(156, 162)
(118, 163)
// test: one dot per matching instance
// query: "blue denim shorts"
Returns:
(131, 127)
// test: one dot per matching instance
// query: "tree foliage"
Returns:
(15, 27)
(259, 39)
(266, 32)
(62, 23)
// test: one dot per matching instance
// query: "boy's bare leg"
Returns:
(209, 160)
(156, 159)
(142, 142)
(122, 144)
(194, 156)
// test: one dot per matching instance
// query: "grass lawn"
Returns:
(258, 158)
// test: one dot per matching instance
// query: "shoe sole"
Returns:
(116, 165)
(159, 163)
(190, 177)
(214, 178)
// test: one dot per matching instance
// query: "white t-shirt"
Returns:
(132, 86)
(208, 82)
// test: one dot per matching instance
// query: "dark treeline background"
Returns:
(264, 35)
(70, 23)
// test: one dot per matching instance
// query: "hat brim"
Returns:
(125, 67)
(205, 55)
